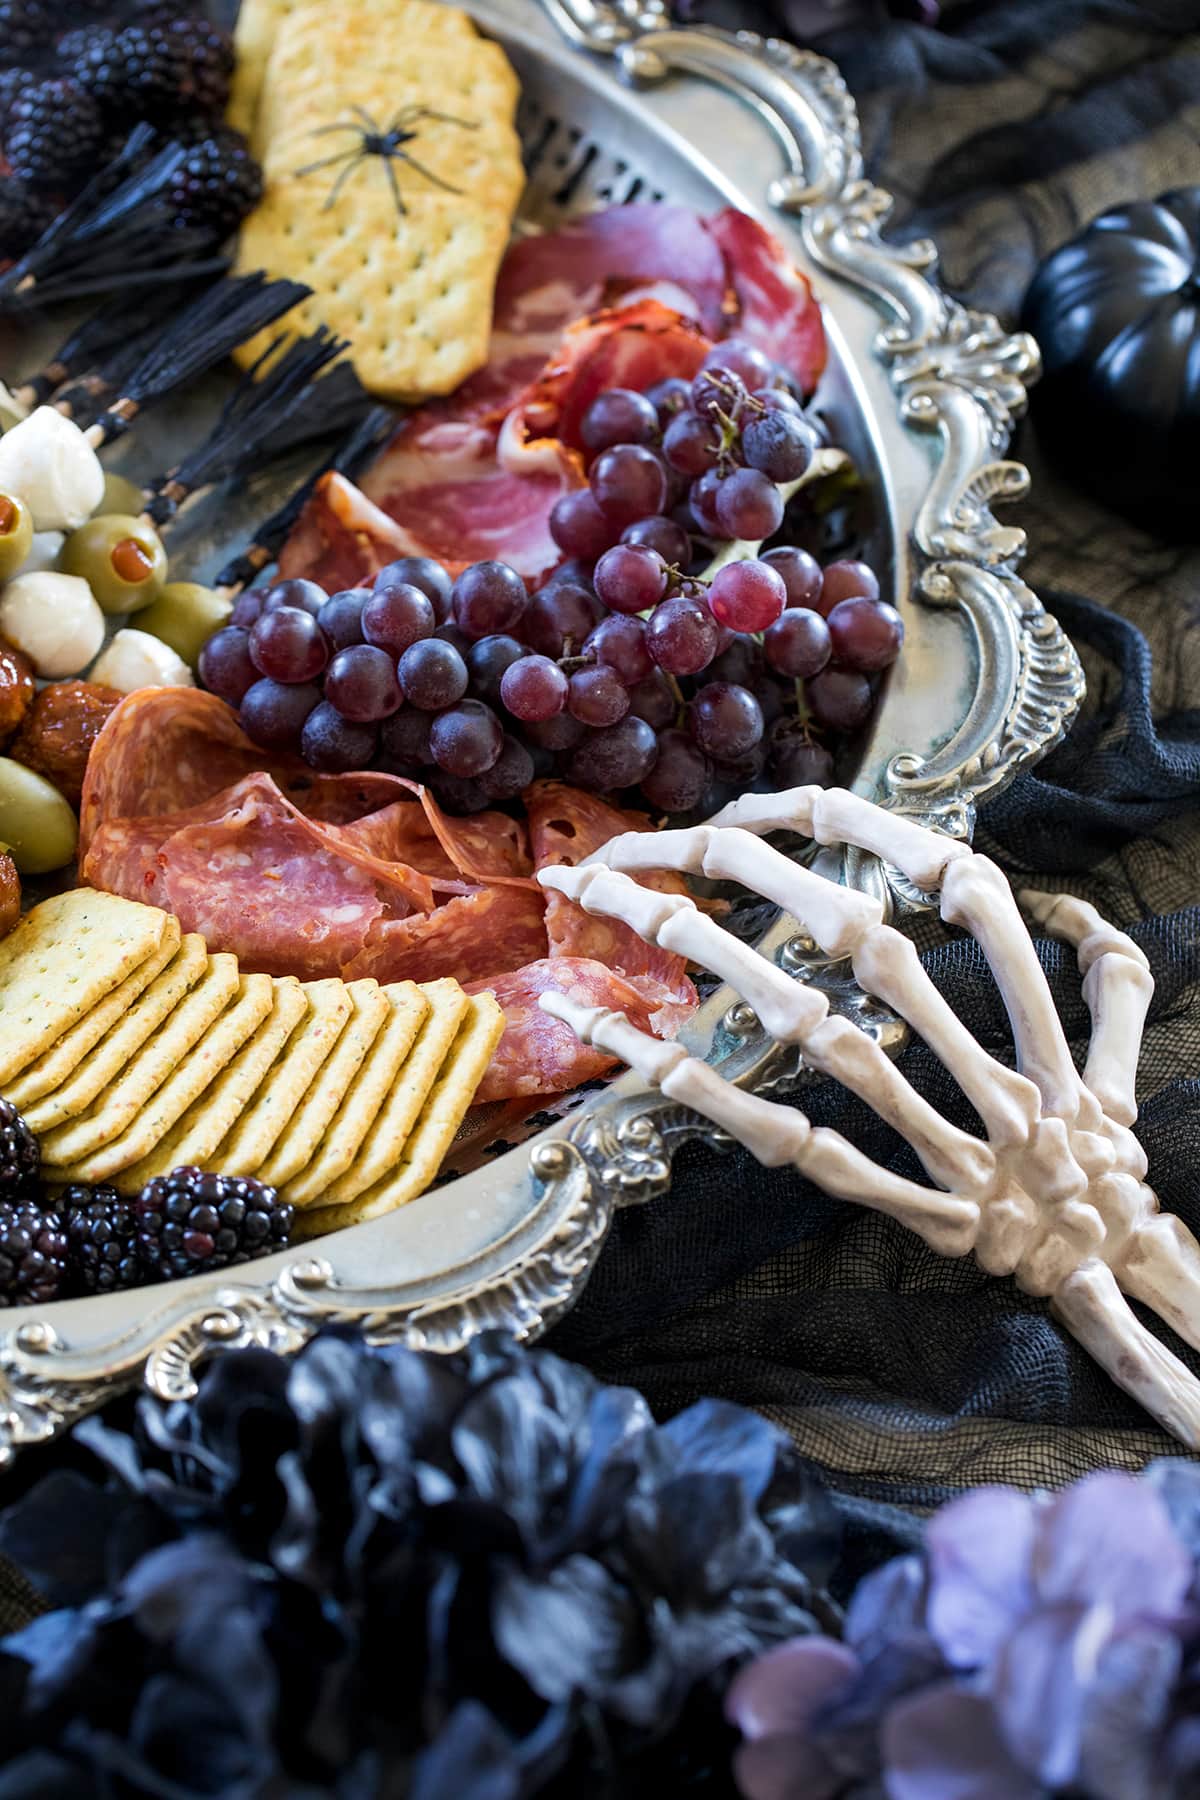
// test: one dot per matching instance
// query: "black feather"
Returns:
(252, 415)
(222, 317)
(120, 231)
(347, 459)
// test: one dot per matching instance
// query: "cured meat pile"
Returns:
(364, 875)
(628, 296)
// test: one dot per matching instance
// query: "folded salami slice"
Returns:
(565, 826)
(166, 749)
(541, 1055)
(286, 894)
(474, 937)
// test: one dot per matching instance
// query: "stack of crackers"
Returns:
(132, 1051)
(402, 260)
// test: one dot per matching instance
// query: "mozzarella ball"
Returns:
(47, 461)
(54, 619)
(134, 659)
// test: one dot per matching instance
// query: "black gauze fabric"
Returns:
(905, 1375)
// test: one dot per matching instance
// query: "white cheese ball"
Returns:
(54, 619)
(134, 659)
(48, 463)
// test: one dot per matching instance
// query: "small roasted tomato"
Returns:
(59, 730)
(10, 894)
(16, 688)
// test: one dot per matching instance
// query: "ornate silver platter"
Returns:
(923, 393)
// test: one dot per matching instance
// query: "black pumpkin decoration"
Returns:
(1117, 315)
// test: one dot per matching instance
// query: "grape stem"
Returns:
(826, 462)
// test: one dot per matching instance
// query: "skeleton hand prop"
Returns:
(1056, 1194)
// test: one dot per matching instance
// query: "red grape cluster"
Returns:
(629, 668)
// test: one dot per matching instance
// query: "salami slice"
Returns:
(286, 894)
(539, 1054)
(488, 846)
(166, 749)
(481, 934)
(565, 826)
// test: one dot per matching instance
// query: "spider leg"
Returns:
(775, 1134)
(327, 162)
(790, 1012)
(367, 120)
(1117, 986)
(847, 923)
(1094, 1310)
(339, 184)
(342, 125)
(397, 196)
(403, 156)
(411, 115)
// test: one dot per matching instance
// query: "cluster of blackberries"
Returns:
(69, 98)
(92, 1240)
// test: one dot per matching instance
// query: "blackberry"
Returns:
(55, 129)
(101, 1227)
(217, 183)
(26, 27)
(12, 83)
(20, 1158)
(24, 216)
(158, 69)
(33, 1254)
(188, 1222)
(80, 42)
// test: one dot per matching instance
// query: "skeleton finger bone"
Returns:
(775, 1134)
(790, 1012)
(1117, 988)
(1095, 1311)
(1057, 1195)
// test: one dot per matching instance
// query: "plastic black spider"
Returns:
(389, 144)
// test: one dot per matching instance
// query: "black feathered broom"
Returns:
(222, 317)
(88, 350)
(120, 231)
(272, 534)
(259, 408)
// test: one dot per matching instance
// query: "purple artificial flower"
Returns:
(1039, 1645)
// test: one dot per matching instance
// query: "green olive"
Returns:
(120, 495)
(120, 557)
(16, 534)
(35, 821)
(185, 615)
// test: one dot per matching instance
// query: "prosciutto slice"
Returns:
(625, 346)
(475, 476)
(773, 302)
